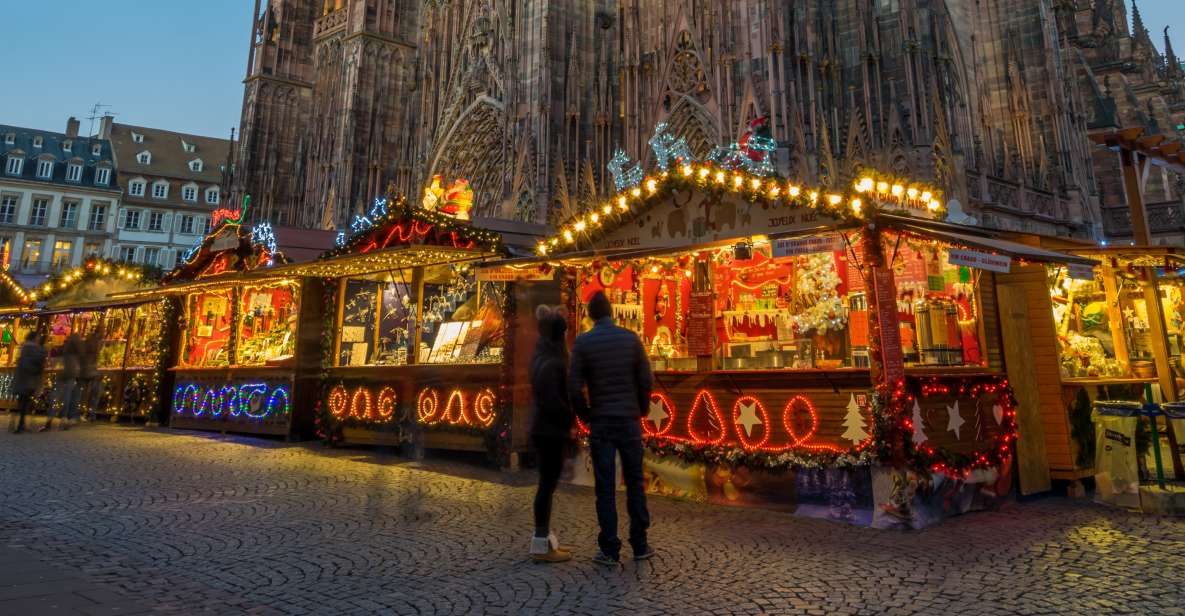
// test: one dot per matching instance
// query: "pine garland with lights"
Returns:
(852, 205)
(92, 269)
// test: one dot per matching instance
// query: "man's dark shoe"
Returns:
(645, 554)
(604, 559)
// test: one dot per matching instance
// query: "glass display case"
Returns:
(267, 323)
(208, 326)
(442, 316)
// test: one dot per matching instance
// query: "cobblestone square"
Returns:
(162, 521)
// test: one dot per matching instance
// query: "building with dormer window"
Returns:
(172, 184)
(58, 196)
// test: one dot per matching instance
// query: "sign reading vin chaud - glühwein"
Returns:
(688, 218)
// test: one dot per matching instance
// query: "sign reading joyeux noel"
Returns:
(980, 260)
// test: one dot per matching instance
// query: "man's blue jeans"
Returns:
(607, 440)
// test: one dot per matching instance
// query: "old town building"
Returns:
(992, 99)
(172, 183)
(58, 197)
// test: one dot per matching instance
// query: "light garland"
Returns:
(362, 404)
(859, 203)
(92, 269)
(456, 412)
(234, 401)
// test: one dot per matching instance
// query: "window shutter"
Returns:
(164, 224)
(139, 257)
(120, 217)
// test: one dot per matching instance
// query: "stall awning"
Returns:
(982, 240)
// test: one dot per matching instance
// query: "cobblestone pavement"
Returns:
(194, 523)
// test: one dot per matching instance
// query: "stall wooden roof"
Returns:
(984, 239)
(1159, 149)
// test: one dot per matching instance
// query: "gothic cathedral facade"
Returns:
(528, 99)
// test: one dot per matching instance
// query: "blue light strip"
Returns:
(230, 400)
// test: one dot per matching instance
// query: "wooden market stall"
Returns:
(422, 346)
(76, 301)
(835, 353)
(245, 344)
(1109, 338)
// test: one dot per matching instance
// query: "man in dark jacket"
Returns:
(610, 362)
(30, 365)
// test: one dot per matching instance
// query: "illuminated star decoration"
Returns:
(379, 209)
(998, 413)
(748, 417)
(954, 420)
(624, 178)
(657, 414)
(919, 434)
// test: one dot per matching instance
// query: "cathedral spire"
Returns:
(1171, 64)
(1139, 30)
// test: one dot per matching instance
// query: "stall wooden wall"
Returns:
(1030, 347)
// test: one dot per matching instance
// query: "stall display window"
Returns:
(59, 329)
(378, 320)
(114, 340)
(1082, 320)
(938, 307)
(462, 320)
(10, 342)
(267, 324)
(206, 341)
(145, 327)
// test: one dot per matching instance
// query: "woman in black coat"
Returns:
(551, 425)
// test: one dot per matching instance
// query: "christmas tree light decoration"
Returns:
(854, 423)
(624, 178)
(339, 240)
(954, 419)
(705, 402)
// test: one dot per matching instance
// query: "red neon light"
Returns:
(705, 397)
(765, 427)
(795, 403)
(668, 407)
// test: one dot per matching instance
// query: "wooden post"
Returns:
(886, 363)
(1115, 316)
(1133, 174)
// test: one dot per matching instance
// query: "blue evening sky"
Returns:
(176, 64)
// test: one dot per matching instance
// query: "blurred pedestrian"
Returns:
(88, 373)
(551, 426)
(30, 366)
(611, 363)
(66, 406)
